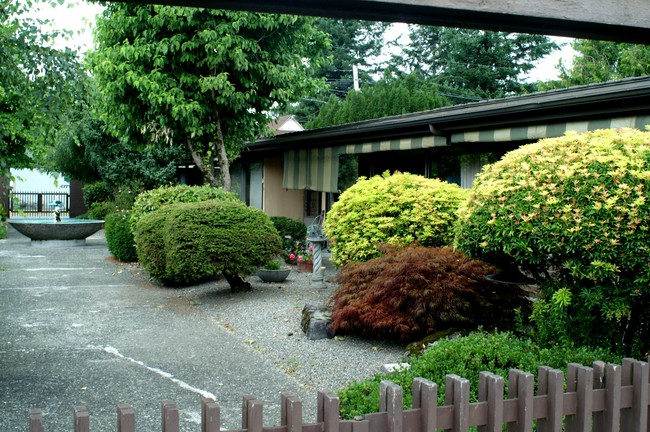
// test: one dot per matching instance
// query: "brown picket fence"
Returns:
(601, 398)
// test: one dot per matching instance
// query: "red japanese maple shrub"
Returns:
(412, 292)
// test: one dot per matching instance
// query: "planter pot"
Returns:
(305, 266)
(273, 275)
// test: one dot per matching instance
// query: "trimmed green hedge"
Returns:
(119, 236)
(187, 242)
(396, 209)
(466, 356)
(152, 200)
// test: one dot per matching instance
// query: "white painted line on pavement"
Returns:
(182, 384)
(60, 268)
(64, 287)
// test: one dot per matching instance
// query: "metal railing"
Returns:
(37, 204)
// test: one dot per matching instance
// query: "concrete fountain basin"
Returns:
(47, 230)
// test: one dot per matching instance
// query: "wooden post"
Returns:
(170, 418)
(626, 380)
(81, 419)
(125, 418)
(640, 380)
(585, 398)
(392, 402)
(210, 416)
(599, 384)
(457, 394)
(328, 411)
(425, 397)
(35, 420)
(490, 390)
(551, 385)
(254, 414)
(613, 377)
(294, 414)
(521, 386)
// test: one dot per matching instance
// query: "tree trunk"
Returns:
(207, 171)
(237, 283)
(224, 165)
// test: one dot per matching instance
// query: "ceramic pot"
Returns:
(305, 266)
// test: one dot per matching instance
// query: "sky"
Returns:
(78, 16)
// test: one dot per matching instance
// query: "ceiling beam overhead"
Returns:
(622, 21)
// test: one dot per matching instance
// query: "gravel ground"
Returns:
(268, 319)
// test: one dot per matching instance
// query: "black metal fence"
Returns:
(38, 203)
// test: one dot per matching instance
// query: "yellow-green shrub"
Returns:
(396, 209)
(574, 212)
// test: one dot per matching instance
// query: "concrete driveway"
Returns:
(78, 329)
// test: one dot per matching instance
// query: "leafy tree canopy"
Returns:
(393, 95)
(471, 62)
(37, 84)
(202, 79)
(600, 61)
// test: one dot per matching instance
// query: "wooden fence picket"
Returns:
(125, 418)
(210, 416)
(81, 419)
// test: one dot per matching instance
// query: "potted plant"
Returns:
(304, 260)
(272, 272)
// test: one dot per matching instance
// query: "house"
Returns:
(297, 174)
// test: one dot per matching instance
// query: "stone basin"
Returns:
(42, 230)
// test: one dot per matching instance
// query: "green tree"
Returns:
(392, 95)
(37, 85)
(600, 61)
(202, 79)
(86, 152)
(471, 62)
(352, 42)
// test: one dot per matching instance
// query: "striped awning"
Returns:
(318, 169)
(534, 132)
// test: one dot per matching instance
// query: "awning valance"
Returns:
(318, 169)
(534, 132)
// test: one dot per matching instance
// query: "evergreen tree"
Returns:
(471, 62)
(600, 61)
(394, 94)
(352, 42)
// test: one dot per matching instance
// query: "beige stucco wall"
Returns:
(277, 200)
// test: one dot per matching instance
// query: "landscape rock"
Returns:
(315, 322)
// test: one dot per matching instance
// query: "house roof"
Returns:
(285, 124)
(626, 97)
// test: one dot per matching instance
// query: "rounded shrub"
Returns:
(395, 209)
(152, 200)
(466, 356)
(573, 212)
(119, 236)
(409, 293)
(187, 242)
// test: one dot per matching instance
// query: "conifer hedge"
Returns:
(186, 242)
